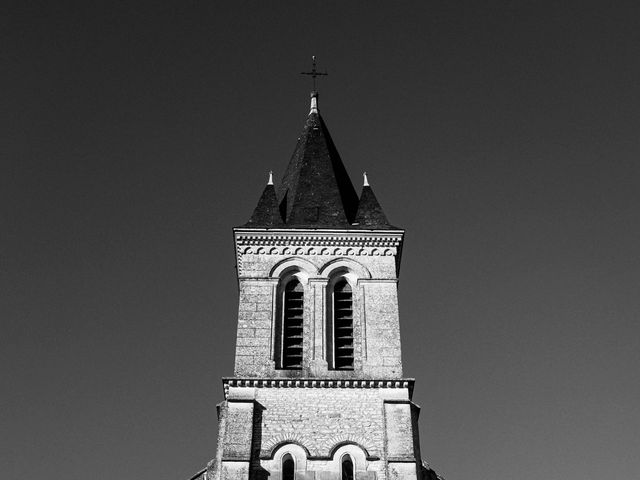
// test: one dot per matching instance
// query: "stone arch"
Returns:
(273, 462)
(291, 263)
(338, 446)
(329, 268)
(358, 455)
(281, 445)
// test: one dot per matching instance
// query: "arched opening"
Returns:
(288, 468)
(347, 468)
(292, 323)
(340, 326)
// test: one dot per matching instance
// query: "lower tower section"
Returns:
(315, 429)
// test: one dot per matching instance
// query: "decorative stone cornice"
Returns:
(349, 243)
(301, 242)
(317, 238)
(258, 249)
(315, 383)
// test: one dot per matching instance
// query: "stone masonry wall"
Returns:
(321, 418)
(254, 339)
(382, 329)
(376, 321)
(270, 413)
(317, 421)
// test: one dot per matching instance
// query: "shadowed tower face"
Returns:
(318, 390)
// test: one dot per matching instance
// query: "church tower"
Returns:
(318, 390)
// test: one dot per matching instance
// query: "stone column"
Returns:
(318, 364)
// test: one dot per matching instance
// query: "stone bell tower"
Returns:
(318, 390)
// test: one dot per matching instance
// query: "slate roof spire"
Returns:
(316, 191)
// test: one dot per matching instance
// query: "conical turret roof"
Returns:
(370, 214)
(267, 212)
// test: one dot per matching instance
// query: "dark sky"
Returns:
(503, 136)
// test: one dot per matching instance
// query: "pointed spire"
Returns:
(370, 214)
(316, 190)
(267, 212)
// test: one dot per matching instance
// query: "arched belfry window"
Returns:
(347, 468)
(288, 468)
(340, 328)
(291, 331)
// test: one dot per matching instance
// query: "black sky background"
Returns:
(503, 136)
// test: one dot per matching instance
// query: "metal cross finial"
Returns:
(314, 73)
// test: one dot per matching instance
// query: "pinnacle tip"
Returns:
(314, 102)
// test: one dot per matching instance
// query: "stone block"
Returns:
(365, 475)
(234, 471)
(247, 306)
(402, 471)
(326, 475)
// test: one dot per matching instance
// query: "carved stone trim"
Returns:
(317, 239)
(301, 243)
(314, 383)
(292, 250)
